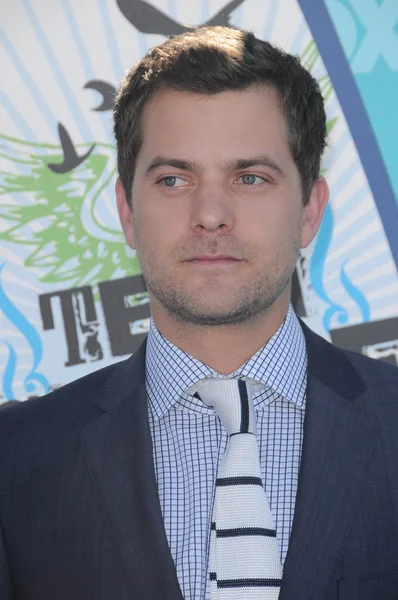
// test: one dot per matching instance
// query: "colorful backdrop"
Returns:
(71, 296)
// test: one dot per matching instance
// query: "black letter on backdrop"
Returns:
(68, 315)
(119, 315)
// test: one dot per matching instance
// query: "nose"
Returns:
(212, 209)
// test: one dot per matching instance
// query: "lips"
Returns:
(213, 260)
(214, 257)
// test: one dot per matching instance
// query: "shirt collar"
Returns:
(281, 364)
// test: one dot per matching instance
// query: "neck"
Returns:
(224, 348)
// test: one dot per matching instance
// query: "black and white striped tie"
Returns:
(244, 554)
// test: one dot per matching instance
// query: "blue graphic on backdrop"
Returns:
(368, 32)
(317, 277)
(16, 318)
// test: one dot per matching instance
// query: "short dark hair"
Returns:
(209, 60)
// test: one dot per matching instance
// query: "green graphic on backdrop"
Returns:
(69, 240)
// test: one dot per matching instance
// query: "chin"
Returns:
(214, 314)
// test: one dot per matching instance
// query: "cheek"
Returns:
(163, 220)
(274, 221)
(287, 218)
(156, 236)
(276, 232)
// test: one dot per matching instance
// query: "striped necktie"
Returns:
(244, 554)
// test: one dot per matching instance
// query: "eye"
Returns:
(172, 181)
(250, 179)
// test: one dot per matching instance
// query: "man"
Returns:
(112, 487)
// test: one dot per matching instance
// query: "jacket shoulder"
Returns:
(381, 380)
(62, 410)
(321, 350)
(353, 374)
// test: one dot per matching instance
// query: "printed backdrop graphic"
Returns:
(72, 298)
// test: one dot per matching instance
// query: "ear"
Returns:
(313, 211)
(125, 214)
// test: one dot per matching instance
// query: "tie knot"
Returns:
(232, 399)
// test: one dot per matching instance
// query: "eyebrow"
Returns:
(246, 163)
(193, 167)
(162, 161)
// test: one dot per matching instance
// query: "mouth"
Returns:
(214, 260)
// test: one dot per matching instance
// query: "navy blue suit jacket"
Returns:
(80, 516)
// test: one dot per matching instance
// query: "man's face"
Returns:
(214, 176)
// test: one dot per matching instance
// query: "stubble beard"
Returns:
(248, 301)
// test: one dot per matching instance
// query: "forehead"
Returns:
(215, 127)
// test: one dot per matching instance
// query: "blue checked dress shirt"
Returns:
(189, 441)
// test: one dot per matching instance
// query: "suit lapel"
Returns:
(339, 439)
(118, 450)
